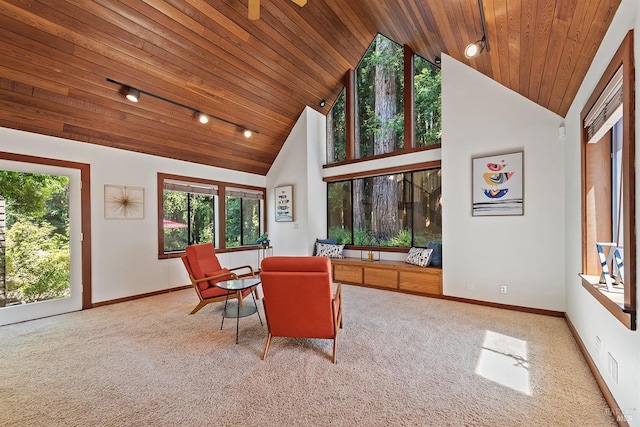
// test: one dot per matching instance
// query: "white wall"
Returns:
(124, 252)
(300, 163)
(480, 254)
(586, 314)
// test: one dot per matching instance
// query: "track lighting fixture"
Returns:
(202, 117)
(475, 48)
(133, 95)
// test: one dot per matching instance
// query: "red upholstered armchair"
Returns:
(205, 270)
(299, 300)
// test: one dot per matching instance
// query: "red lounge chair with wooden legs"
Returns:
(205, 271)
(299, 301)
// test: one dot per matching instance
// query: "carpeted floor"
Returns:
(402, 361)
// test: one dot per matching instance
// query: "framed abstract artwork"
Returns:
(284, 203)
(498, 185)
(121, 202)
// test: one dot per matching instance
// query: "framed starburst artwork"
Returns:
(121, 202)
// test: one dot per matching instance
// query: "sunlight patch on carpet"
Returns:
(503, 359)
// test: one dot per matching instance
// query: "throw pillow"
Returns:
(329, 251)
(436, 257)
(326, 241)
(419, 256)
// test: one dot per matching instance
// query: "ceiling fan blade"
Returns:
(300, 2)
(254, 9)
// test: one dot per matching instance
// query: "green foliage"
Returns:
(338, 130)
(232, 221)
(360, 238)
(428, 103)
(29, 195)
(193, 210)
(242, 221)
(342, 235)
(383, 57)
(36, 253)
(401, 240)
(37, 262)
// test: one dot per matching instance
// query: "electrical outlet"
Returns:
(598, 345)
(503, 289)
(469, 286)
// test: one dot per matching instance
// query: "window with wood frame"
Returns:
(608, 188)
(391, 105)
(194, 210)
(397, 209)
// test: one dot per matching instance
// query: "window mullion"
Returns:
(409, 99)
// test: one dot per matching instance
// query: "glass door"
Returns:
(40, 241)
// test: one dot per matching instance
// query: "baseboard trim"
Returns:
(503, 306)
(135, 297)
(608, 396)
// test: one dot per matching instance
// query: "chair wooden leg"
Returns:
(266, 346)
(198, 307)
(335, 348)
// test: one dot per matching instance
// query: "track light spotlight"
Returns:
(133, 94)
(202, 117)
(247, 133)
(474, 49)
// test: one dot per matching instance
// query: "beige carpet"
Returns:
(402, 361)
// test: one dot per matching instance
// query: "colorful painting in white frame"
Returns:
(284, 203)
(498, 185)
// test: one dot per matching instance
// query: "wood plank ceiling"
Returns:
(56, 58)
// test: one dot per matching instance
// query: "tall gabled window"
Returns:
(608, 193)
(427, 102)
(337, 131)
(369, 118)
(379, 99)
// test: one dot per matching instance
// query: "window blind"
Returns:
(244, 193)
(191, 187)
(607, 110)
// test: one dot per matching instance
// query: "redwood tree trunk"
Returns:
(385, 222)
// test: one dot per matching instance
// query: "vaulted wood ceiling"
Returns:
(207, 55)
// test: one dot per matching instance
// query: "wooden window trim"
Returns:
(415, 167)
(624, 310)
(85, 206)
(409, 117)
(222, 186)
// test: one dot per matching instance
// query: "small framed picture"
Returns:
(284, 203)
(498, 185)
